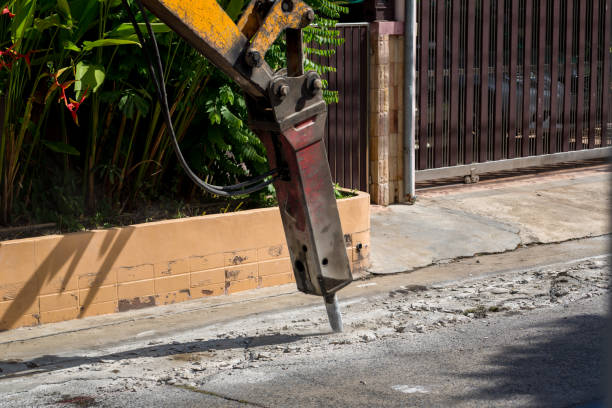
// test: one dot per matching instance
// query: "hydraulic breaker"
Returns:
(288, 113)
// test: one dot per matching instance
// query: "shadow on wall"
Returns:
(55, 275)
(555, 368)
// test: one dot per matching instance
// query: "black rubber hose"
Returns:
(246, 187)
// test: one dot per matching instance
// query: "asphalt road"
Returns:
(549, 357)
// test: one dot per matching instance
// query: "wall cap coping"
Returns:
(379, 28)
(358, 195)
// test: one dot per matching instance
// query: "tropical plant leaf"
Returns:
(61, 147)
(90, 45)
(126, 30)
(88, 77)
(234, 8)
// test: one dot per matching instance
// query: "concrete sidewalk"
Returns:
(490, 217)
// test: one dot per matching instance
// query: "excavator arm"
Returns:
(288, 113)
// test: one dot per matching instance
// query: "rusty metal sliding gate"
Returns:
(346, 130)
(511, 78)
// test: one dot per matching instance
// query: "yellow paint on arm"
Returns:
(209, 20)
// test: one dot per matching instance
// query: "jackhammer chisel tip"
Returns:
(333, 313)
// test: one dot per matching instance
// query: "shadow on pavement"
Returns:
(50, 363)
(562, 366)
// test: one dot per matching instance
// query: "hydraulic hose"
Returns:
(157, 74)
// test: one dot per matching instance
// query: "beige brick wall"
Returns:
(63, 277)
(385, 118)
(379, 118)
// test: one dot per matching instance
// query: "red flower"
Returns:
(7, 11)
(72, 106)
(14, 57)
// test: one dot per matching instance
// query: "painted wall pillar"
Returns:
(385, 119)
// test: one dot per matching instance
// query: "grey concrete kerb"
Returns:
(490, 218)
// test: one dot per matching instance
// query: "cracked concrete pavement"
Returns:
(491, 217)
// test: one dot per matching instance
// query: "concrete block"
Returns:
(379, 100)
(123, 305)
(172, 267)
(272, 252)
(137, 289)
(97, 295)
(380, 48)
(106, 278)
(10, 291)
(362, 238)
(400, 49)
(379, 124)
(8, 322)
(380, 193)
(393, 129)
(393, 169)
(59, 315)
(349, 254)
(240, 257)
(203, 262)
(59, 301)
(275, 267)
(172, 297)
(355, 213)
(241, 272)
(383, 171)
(171, 284)
(17, 261)
(99, 309)
(362, 254)
(241, 285)
(19, 305)
(207, 278)
(382, 75)
(275, 280)
(135, 273)
(215, 289)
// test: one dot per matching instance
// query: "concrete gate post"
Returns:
(379, 117)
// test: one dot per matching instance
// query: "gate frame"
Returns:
(512, 164)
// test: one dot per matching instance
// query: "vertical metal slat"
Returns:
(454, 105)
(594, 63)
(567, 91)
(439, 91)
(539, 140)
(363, 98)
(423, 27)
(554, 75)
(469, 81)
(512, 101)
(527, 77)
(484, 81)
(581, 66)
(499, 72)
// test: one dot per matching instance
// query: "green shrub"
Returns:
(81, 122)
